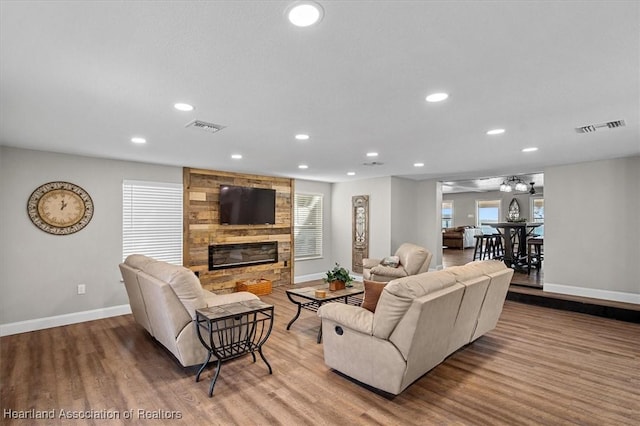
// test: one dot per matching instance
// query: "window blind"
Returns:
(307, 226)
(152, 220)
(488, 211)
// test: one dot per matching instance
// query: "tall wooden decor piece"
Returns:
(360, 233)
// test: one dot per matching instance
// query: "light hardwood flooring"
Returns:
(539, 366)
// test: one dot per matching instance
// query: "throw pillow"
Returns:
(372, 292)
(392, 261)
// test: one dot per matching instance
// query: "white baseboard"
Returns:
(617, 296)
(310, 277)
(65, 319)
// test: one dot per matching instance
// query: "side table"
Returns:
(232, 330)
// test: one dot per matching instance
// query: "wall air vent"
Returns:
(593, 127)
(203, 125)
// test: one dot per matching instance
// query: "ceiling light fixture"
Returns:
(303, 166)
(351, 173)
(183, 107)
(138, 140)
(437, 97)
(302, 137)
(304, 13)
(495, 132)
(236, 156)
(513, 183)
(418, 164)
(372, 154)
(530, 149)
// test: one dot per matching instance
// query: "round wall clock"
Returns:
(60, 208)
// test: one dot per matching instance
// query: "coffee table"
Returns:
(232, 330)
(305, 298)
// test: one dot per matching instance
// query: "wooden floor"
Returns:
(539, 366)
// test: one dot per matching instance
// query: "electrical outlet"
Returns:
(82, 289)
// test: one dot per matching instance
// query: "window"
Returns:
(487, 211)
(447, 214)
(152, 220)
(537, 211)
(307, 227)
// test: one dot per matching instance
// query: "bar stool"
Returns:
(498, 248)
(534, 253)
(484, 247)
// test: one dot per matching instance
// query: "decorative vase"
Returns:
(336, 285)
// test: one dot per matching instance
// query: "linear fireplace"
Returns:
(223, 256)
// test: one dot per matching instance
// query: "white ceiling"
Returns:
(84, 77)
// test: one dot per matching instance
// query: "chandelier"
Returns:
(513, 183)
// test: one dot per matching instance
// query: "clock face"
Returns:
(60, 208)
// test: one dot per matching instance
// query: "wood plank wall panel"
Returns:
(202, 228)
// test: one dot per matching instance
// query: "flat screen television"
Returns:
(241, 205)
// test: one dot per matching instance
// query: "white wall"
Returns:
(404, 212)
(39, 272)
(305, 270)
(379, 192)
(592, 229)
(429, 223)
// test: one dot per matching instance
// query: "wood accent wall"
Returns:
(202, 228)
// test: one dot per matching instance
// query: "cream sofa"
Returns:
(419, 321)
(164, 298)
(413, 260)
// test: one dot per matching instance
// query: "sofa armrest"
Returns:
(353, 317)
(388, 271)
(370, 263)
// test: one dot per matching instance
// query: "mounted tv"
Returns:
(241, 205)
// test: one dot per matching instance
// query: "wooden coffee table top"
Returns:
(310, 292)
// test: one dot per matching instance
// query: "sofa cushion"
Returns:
(388, 271)
(392, 261)
(398, 295)
(183, 282)
(372, 291)
(475, 269)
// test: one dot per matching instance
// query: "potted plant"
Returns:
(338, 278)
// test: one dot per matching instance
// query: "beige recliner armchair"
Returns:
(412, 259)
(164, 299)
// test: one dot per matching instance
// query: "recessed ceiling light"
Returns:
(304, 13)
(530, 149)
(138, 140)
(495, 131)
(418, 164)
(351, 173)
(437, 97)
(302, 137)
(372, 154)
(183, 107)
(236, 156)
(303, 166)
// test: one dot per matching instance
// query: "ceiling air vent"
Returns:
(203, 125)
(373, 163)
(593, 127)
(612, 124)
